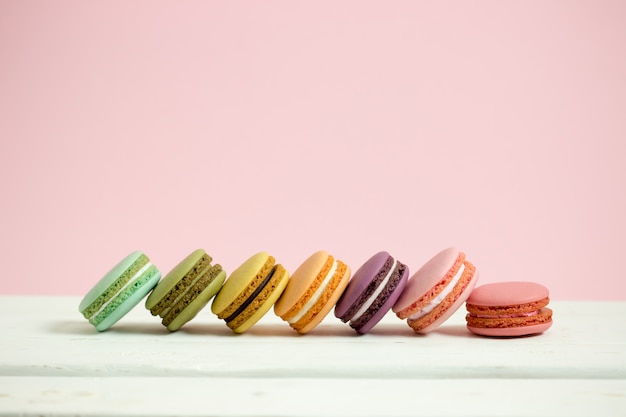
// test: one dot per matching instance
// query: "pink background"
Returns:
(497, 127)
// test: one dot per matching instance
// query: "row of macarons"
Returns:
(303, 299)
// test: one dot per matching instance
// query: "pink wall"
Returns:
(498, 127)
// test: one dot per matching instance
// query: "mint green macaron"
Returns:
(121, 289)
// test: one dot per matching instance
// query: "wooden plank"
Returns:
(589, 345)
(52, 362)
(120, 396)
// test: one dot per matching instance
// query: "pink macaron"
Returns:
(436, 290)
(372, 291)
(509, 309)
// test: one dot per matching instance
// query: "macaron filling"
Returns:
(252, 296)
(316, 295)
(114, 299)
(439, 298)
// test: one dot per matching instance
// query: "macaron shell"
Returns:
(173, 277)
(508, 293)
(511, 331)
(300, 282)
(360, 281)
(238, 281)
(332, 300)
(426, 278)
(198, 303)
(266, 306)
(453, 307)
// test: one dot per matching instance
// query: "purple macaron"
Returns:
(372, 291)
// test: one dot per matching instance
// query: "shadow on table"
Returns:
(454, 330)
(260, 329)
(83, 328)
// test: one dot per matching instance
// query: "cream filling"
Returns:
(128, 284)
(439, 297)
(316, 295)
(166, 309)
(368, 303)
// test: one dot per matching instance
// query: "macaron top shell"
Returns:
(427, 277)
(507, 293)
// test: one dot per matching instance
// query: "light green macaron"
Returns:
(121, 289)
(186, 289)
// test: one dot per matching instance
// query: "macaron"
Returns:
(312, 291)
(185, 290)
(121, 289)
(250, 291)
(509, 309)
(372, 291)
(436, 290)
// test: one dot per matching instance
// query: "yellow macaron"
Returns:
(250, 291)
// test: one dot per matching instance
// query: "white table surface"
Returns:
(52, 362)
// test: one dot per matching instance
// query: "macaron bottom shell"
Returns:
(511, 331)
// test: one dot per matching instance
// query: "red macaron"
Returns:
(509, 309)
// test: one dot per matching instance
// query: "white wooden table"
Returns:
(52, 362)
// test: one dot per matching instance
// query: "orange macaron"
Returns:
(312, 291)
